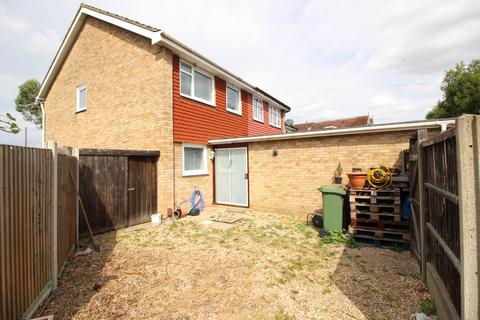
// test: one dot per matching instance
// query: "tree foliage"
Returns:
(461, 92)
(8, 124)
(25, 102)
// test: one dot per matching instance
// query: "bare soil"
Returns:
(264, 266)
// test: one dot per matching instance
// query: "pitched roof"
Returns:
(157, 37)
(335, 124)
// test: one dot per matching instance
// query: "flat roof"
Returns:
(383, 127)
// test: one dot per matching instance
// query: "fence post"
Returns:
(53, 146)
(76, 154)
(468, 149)
(422, 135)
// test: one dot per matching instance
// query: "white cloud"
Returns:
(8, 86)
(9, 23)
(326, 59)
(44, 42)
(427, 37)
(386, 107)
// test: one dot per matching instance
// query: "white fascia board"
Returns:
(191, 57)
(337, 132)
(118, 22)
(72, 35)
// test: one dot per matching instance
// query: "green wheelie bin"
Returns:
(332, 207)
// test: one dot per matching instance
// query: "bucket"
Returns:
(156, 218)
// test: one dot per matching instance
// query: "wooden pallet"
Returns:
(380, 234)
(385, 242)
(375, 199)
(400, 226)
(375, 216)
(400, 181)
(376, 192)
(375, 208)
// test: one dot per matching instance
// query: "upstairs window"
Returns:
(81, 98)
(196, 84)
(234, 103)
(274, 116)
(257, 109)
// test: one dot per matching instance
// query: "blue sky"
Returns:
(326, 59)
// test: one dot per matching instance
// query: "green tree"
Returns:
(8, 124)
(461, 92)
(25, 102)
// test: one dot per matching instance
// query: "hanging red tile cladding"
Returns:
(196, 122)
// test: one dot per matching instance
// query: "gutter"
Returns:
(390, 127)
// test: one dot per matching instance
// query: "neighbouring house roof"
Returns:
(335, 124)
(376, 128)
(157, 37)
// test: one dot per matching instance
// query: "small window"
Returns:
(257, 109)
(234, 103)
(196, 84)
(274, 116)
(81, 98)
(194, 159)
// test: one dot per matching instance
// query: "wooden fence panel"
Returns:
(66, 208)
(25, 223)
(414, 198)
(442, 228)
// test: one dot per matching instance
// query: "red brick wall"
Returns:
(196, 122)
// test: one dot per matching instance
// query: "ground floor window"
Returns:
(194, 159)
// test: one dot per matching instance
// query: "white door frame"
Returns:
(247, 180)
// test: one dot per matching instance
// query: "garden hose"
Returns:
(379, 177)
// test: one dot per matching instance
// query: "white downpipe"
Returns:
(43, 123)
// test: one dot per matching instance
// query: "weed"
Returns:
(301, 226)
(339, 237)
(312, 265)
(428, 307)
(327, 291)
(283, 316)
(388, 297)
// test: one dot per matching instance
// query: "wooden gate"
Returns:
(142, 189)
(445, 198)
(118, 187)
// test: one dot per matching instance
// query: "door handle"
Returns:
(246, 176)
(130, 189)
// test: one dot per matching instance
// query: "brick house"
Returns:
(119, 84)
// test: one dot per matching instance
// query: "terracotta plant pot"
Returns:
(357, 179)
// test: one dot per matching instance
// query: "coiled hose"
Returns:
(197, 205)
(379, 177)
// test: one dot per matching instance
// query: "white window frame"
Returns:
(232, 87)
(77, 106)
(192, 75)
(271, 110)
(198, 172)
(253, 109)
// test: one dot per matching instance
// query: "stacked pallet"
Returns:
(375, 217)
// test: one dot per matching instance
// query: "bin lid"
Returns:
(332, 189)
